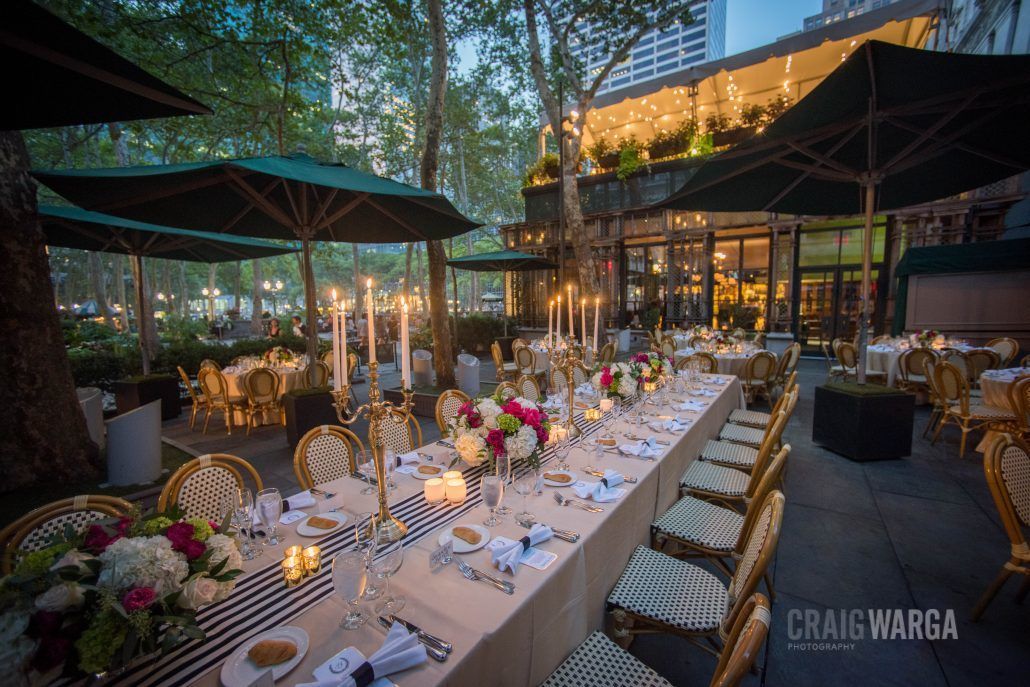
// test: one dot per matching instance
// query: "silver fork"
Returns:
(562, 501)
(319, 492)
(627, 480)
(476, 576)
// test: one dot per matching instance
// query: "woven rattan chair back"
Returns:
(951, 386)
(709, 363)
(758, 552)
(506, 390)
(316, 375)
(847, 356)
(261, 386)
(668, 347)
(201, 486)
(580, 374)
(498, 358)
(207, 362)
(834, 345)
(447, 405)
(766, 484)
(782, 362)
(213, 385)
(1005, 347)
(912, 362)
(34, 530)
(1019, 401)
(744, 642)
(528, 388)
(188, 384)
(766, 451)
(518, 342)
(978, 361)
(324, 454)
(882, 338)
(795, 357)
(398, 432)
(327, 358)
(525, 360)
(791, 382)
(695, 341)
(607, 354)
(352, 366)
(557, 379)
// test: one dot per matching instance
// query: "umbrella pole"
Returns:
(310, 299)
(141, 314)
(504, 301)
(867, 268)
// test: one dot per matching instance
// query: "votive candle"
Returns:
(456, 491)
(452, 474)
(606, 405)
(293, 571)
(435, 490)
(312, 560)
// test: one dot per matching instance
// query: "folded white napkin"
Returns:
(585, 389)
(717, 380)
(302, 500)
(400, 650)
(508, 556)
(672, 425)
(695, 406)
(408, 458)
(552, 403)
(704, 392)
(642, 449)
(602, 491)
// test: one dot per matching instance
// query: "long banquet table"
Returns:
(498, 639)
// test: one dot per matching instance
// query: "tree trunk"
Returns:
(421, 281)
(408, 252)
(123, 300)
(43, 436)
(149, 343)
(238, 288)
(257, 301)
(443, 348)
(575, 229)
(359, 287)
(184, 291)
(96, 281)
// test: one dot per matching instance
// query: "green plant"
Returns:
(673, 142)
(178, 328)
(603, 153)
(477, 331)
(650, 318)
(753, 114)
(716, 123)
(100, 368)
(631, 159)
(777, 106)
(422, 339)
(543, 170)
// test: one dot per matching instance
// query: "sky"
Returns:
(751, 23)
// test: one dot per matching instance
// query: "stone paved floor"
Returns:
(918, 533)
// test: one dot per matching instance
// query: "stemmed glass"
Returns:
(367, 468)
(350, 578)
(389, 463)
(388, 560)
(562, 449)
(592, 445)
(492, 491)
(365, 536)
(503, 464)
(270, 509)
(524, 486)
(616, 412)
(240, 507)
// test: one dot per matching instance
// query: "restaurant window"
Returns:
(646, 281)
(838, 246)
(740, 290)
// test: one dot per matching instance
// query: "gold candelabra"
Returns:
(564, 365)
(388, 527)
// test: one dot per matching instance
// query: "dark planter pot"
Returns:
(733, 136)
(423, 405)
(505, 342)
(863, 427)
(384, 353)
(130, 394)
(303, 412)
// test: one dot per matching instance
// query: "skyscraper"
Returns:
(658, 52)
(839, 10)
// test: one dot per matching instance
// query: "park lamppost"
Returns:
(274, 288)
(210, 295)
(169, 300)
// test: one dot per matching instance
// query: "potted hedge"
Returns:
(306, 409)
(137, 391)
(863, 422)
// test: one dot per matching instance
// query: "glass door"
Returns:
(829, 303)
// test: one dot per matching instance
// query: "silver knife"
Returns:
(422, 634)
(437, 654)
(627, 480)
(565, 535)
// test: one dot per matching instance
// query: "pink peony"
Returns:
(606, 377)
(496, 440)
(179, 534)
(542, 435)
(193, 549)
(97, 539)
(514, 409)
(138, 599)
(123, 525)
(532, 417)
(215, 526)
(640, 358)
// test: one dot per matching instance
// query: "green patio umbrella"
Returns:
(55, 75)
(268, 197)
(890, 127)
(502, 261)
(71, 227)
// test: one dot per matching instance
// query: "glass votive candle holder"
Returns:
(606, 405)
(592, 414)
(293, 571)
(451, 474)
(293, 552)
(435, 490)
(650, 387)
(456, 491)
(312, 556)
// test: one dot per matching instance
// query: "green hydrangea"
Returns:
(38, 563)
(509, 423)
(99, 643)
(154, 526)
(201, 528)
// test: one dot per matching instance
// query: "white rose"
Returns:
(61, 597)
(74, 558)
(470, 448)
(199, 591)
(627, 386)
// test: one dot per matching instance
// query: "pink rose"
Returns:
(97, 539)
(542, 435)
(193, 549)
(532, 417)
(496, 440)
(179, 533)
(606, 377)
(138, 599)
(514, 409)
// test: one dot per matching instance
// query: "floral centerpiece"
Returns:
(926, 337)
(701, 330)
(94, 602)
(617, 379)
(653, 365)
(279, 355)
(490, 427)
(722, 339)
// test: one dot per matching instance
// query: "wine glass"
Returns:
(240, 506)
(350, 578)
(365, 536)
(270, 509)
(592, 445)
(562, 449)
(492, 490)
(389, 463)
(503, 464)
(524, 486)
(388, 560)
(367, 468)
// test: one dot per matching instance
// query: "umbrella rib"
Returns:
(320, 213)
(794, 184)
(158, 194)
(250, 206)
(929, 133)
(819, 157)
(356, 201)
(259, 200)
(398, 220)
(293, 203)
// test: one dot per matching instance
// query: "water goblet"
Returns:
(562, 449)
(503, 467)
(367, 468)
(270, 508)
(492, 491)
(524, 485)
(365, 536)
(388, 560)
(350, 578)
(241, 505)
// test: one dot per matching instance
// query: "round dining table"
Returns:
(290, 378)
(994, 387)
(729, 363)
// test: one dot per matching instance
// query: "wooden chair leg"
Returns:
(769, 587)
(193, 416)
(250, 420)
(1023, 589)
(962, 441)
(992, 591)
(227, 411)
(940, 426)
(207, 418)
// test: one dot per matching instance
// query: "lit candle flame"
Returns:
(334, 295)
(368, 284)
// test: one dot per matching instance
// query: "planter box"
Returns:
(423, 404)
(305, 411)
(863, 426)
(132, 393)
(732, 136)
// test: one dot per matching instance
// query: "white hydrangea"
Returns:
(143, 562)
(627, 386)
(522, 444)
(224, 548)
(470, 447)
(489, 410)
(526, 403)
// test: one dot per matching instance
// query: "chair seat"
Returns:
(984, 412)
(702, 523)
(728, 453)
(920, 379)
(749, 418)
(738, 434)
(600, 662)
(510, 367)
(715, 479)
(670, 591)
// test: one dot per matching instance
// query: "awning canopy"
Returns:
(55, 75)
(502, 261)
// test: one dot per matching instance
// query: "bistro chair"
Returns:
(911, 372)
(600, 662)
(709, 363)
(400, 432)
(557, 379)
(1006, 348)
(506, 390)
(847, 355)
(574, 351)
(352, 368)
(758, 373)
(953, 389)
(695, 342)
(1019, 401)
(668, 348)
(525, 360)
(606, 356)
(757, 418)
(518, 342)
(324, 454)
(978, 361)
(1025, 362)
(936, 401)
(505, 371)
(528, 388)
(261, 391)
(207, 362)
(659, 593)
(201, 486)
(1007, 468)
(882, 338)
(34, 530)
(199, 400)
(447, 406)
(744, 457)
(327, 358)
(216, 391)
(316, 375)
(833, 369)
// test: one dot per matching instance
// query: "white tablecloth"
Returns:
(881, 358)
(289, 379)
(995, 385)
(729, 363)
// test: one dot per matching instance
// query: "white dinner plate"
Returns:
(306, 530)
(552, 483)
(239, 671)
(460, 545)
(423, 475)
